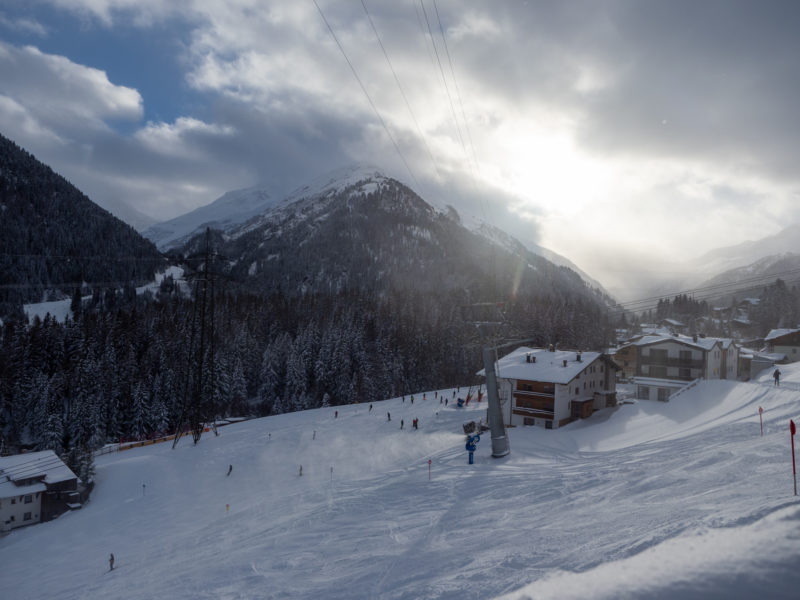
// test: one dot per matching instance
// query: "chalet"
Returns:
(550, 388)
(664, 364)
(784, 341)
(672, 325)
(35, 487)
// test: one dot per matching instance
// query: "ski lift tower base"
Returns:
(500, 445)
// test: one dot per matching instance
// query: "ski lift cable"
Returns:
(455, 84)
(366, 94)
(402, 91)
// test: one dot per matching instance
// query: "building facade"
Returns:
(35, 487)
(549, 388)
(665, 364)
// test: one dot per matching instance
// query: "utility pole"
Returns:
(198, 403)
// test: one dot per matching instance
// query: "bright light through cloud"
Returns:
(544, 169)
(605, 131)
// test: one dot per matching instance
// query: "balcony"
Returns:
(681, 363)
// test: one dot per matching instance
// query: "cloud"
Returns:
(579, 122)
(23, 24)
(63, 95)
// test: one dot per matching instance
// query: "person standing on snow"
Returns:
(111, 562)
(777, 376)
(230, 468)
(388, 416)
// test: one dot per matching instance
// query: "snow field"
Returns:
(645, 500)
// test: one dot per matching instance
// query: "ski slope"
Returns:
(649, 500)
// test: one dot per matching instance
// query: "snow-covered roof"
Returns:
(673, 322)
(706, 343)
(778, 333)
(548, 367)
(45, 465)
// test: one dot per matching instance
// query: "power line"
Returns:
(446, 87)
(455, 84)
(402, 92)
(719, 287)
(364, 89)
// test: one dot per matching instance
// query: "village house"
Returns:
(35, 487)
(664, 364)
(550, 388)
(784, 341)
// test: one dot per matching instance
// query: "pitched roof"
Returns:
(778, 333)
(45, 465)
(706, 343)
(549, 366)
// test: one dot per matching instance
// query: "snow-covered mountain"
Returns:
(720, 260)
(360, 229)
(679, 499)
(297, 219)
(745, 266)
(227, 211)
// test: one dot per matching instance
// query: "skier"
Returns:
(401, 423)
(388, 416)
(230, 468)
(336, 415)
(777, 376)
(445, 402)
(300, 474)
(111, 562)
(412, 399)
(370, 408)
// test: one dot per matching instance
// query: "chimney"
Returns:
(694, 337)
(528, 357)
(565, 362)
(578, 357)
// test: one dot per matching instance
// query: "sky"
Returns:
(621, 134)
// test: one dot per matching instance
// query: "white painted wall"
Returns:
(14, 508)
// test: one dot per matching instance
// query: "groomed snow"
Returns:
(649, 500)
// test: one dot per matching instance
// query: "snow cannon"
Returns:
(472, 441)
(460, 403)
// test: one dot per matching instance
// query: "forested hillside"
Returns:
(53, 239)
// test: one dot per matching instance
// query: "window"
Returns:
(26, 517)
(685, 373)
(658, 355)
(528, 421)
(685, 355)
(657, 371)
(28, 499)
(576, 391)
(663, 394)
(644, 393)
(13, 501)
(548, 424)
